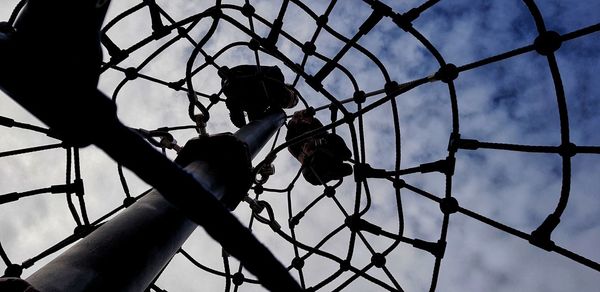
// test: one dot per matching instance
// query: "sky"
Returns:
(512, 101)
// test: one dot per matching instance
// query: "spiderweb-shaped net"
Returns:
(374, 77)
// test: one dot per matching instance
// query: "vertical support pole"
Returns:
(129, 251)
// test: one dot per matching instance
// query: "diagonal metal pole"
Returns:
(128, 252)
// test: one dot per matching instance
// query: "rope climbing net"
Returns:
(332, 236)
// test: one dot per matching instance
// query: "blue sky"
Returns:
(512, 101)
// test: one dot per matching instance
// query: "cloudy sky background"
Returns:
(512, 101)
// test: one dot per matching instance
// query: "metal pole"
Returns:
(128, 252)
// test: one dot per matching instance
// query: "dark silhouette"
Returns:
(50, 61)
(54, 76)
(12, 284)
(255, 90)
(322, 155)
